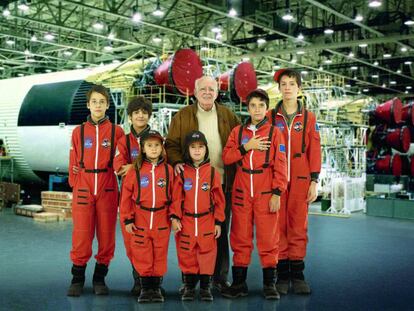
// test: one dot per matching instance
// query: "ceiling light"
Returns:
(204, 48)
(6, 12)
(27, 52)
(276, 67)
(49, 36)
(351, 54)
(23, 6)
(98, 25)
(409, 21)
(354, 67)
(216, 29)
(359, 92)
(408, 62)
(359, 18)
(399, 71)
(365, 90)
(355, 78)
(301, 37)
(408, 87)
(384, 85)
(158, 12)
(108, 47)
(300, 52)
(219, 36)
(245, 59)
(374, 4)
(288, 16)
(376, 63)
(232, 12)
(328, 61)
(375, 76)
(348, 85)
(20, 75)
(387, 55)
(304, 72)
(363, 45)
(67, 53)
(30, 60)
(48, 70)
(393, 82)
(33, 38)
(328, 31)
(294, 61)
(157, 39)
(406, 92)
(136, 16)
(261, 41)
(404, 49)
(320, 68)
(111, 36)
(10, 42)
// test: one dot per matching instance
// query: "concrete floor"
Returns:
(359, 263)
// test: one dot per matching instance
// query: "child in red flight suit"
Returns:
(196, 213)
(139, 112)
(259, 151)
(301, 132)
(95, 192)
(146, 195)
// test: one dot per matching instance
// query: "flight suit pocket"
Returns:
(206, 241)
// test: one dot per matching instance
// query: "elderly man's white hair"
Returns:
(199, 80)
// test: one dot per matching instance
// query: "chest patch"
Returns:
(244, 140)
(144, 181)
(298, 126)
(188, 184)
(106, 143)
(161, 183)
(205, 186)
(280, 126)
(88, 144)
(134, 153)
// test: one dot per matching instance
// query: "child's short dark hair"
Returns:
(137, 103)
(291, 73)
(98, 89)
(260, 94)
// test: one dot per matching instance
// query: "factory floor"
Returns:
(356, 263)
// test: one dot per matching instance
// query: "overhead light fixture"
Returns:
(376, 63)
(111, 34)
(232, 12)
(67, 53)
(403, 49)
(365, 90)
(158, 12)
(359, 92)
(48, 70)
(355, 78)
(245, 59)
(374, 3)
(49, 36)
(27, 52)
(219, 36)
(409, 21)
(98, 25)
(300, 52)
(108, 47)
(294, 61)
(351, 54)
(156, 39)
(216, 29)
(20, 75)
(393, 82)
(387, 55)
(276, 67)
(304, 72)
(136, 16)
(408, 62)
(359, 18)
(204, 48)
(354, 67)
(328, 61)
(399, 71)
(328, 31)
(301, 37)
(320, 68)
(30, 60)
(363, 45)
(23, 6)
(384, 85)
(348, 85)
(261, 41)
(408, 87)
(10, 42)
(375, 76)
(287, 16)
(33, 38)
(6, 12)
(406, 92)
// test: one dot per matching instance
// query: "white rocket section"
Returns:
(37, 147)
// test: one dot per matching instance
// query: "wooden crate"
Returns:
(64, 214)
(56, 195)
(46, 217)
(10, 192)
(25, 212)
(57, 204)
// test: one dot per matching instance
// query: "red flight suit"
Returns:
(198, 201)
(95, 190)
(304, 164)
(145, 202)
(127, 151)
(259, 175)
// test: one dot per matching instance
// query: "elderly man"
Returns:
(216, 122)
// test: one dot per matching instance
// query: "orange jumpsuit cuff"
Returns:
(218, 223)
(276, 191)
(315, 176)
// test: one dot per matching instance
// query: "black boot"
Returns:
(190, 283)
(269, 283)
(299, 285)
(205, 287)
(283, 276)
(157, 295)
(78, 280)
(181, 289)
(239, 287)
(146, 289)
(98, 282)
(136, 289)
